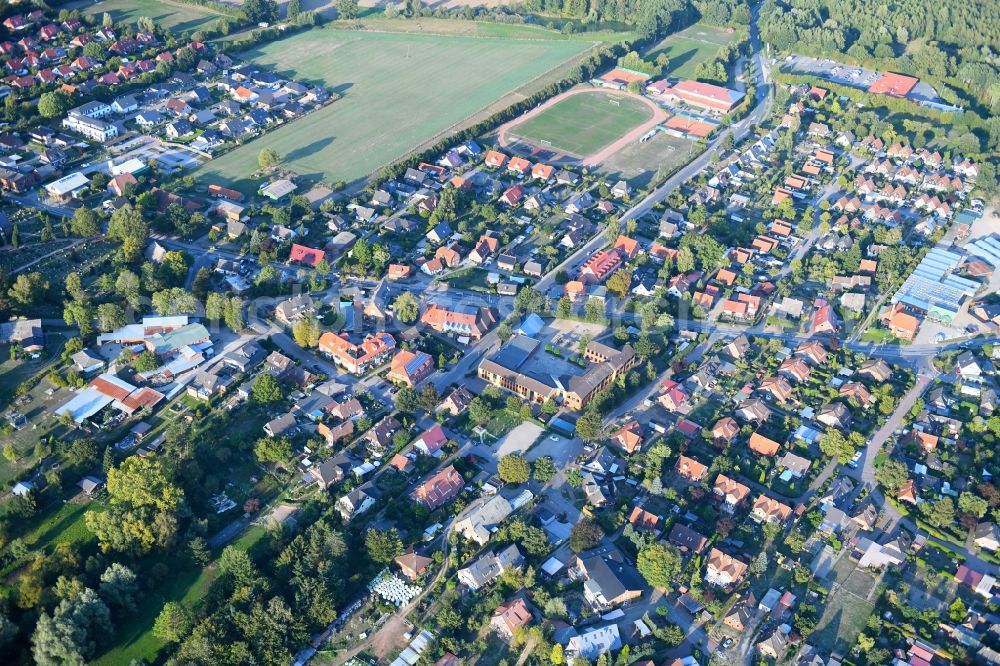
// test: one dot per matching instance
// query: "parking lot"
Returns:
(856, 77)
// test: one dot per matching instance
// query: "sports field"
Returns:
(399, 91)
(689, 48)
(172, 15)
(583, 124)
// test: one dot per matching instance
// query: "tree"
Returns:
(233, 314)
(759, 564)
(940, 513)
(147, 361)
(53, 104)
(119, 587)
(834, 444)
(266, 390)
(294, 8)
(273, 450)
(620, 282)
(406, 308)
(175, 301)
(480, 411)
(236, 565)
(78, 626)
(957, 611)
(528, 299)
(891, 475)
(128, 226)
(215, 306)
(586, 534)
(429, 397)
(144, 506)
(347, 9)
(173, 623)
(564, 308)
(261, 11)
(407, 400)
(590, 427)
(306, 332)
(109, 317)
(556, 656)
(83, 452)
(267, 157)
(659, 564)
(29, 288)
(971, 503)
(85, 222)
(504, 332)
(383, 546)
(543, 469)
(80, 313)
(514, 469)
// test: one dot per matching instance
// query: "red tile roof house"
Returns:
(542, 172)
(627, 247)
(643, 520)
(495, 159)
(519, 165)
(431, 442)
(763, 445)
(357, 358)
(673, 398)
(629, 437)
(509, 618)
(306, 255)
(824, 319)
(439, 488)
(599, 267)
(512, 196)
(725, 429)
(410, 368)
(691, 469)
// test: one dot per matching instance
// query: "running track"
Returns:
(659, 115)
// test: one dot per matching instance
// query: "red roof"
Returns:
(705, 94)
(894, 85)
(439, 487)
(306, 255)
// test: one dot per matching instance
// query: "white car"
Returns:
(554, 438)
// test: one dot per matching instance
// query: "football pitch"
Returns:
(689, 48)
(584, 123)
(171, 15)
(399, 91)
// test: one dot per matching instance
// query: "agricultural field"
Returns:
(173, 15)
(689, 48)
(397, 95)
(582, 124)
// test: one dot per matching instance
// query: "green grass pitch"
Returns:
(583, 124)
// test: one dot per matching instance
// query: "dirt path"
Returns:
(659, 115)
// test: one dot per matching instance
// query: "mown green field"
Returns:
(582, 124)
(172, 15)
(399, 91)
(689, 48)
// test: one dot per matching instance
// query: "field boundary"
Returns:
(659, 115)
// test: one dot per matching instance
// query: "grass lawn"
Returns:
(173, 15)
(583, 124)
(469, 278)
(880, 336)
(843, 619)
(399, 92)
(188, 587)
(689, 48)
(65, 525)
